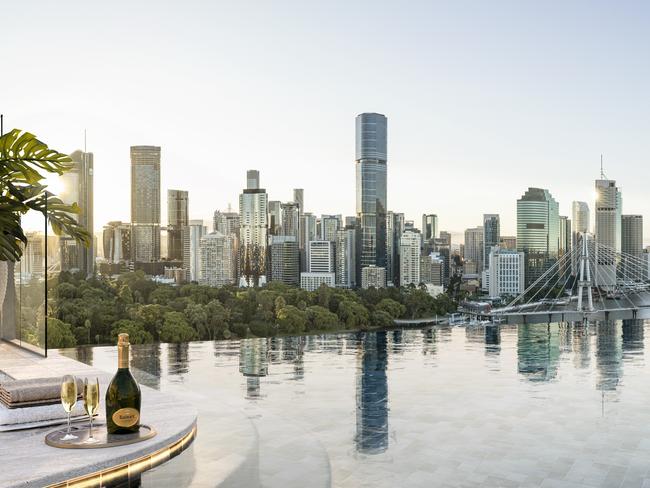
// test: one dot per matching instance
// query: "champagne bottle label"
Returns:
(126, 417)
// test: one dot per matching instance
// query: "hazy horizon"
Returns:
(483, 100)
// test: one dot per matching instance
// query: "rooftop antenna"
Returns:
(602, 173)
(87, 151)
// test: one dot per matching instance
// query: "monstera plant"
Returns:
(24, 160)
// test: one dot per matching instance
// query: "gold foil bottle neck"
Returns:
(123, 351)
(123, 339)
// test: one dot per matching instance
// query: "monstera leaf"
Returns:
(22, 157)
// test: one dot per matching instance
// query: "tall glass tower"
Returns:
(145, 203)
(371, 157)
(538, 232)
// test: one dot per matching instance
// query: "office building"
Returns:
(116, 241)
(491, 236)
(299, 198)
(284, 260)
(432, 269)
(538, 228)
(329, 226)
(77, 187)
(217, 260)
(508, 242)
(394, 231)
(145, 203)
(253, 231)
(345, 254)
(320, 257)
(632, 247)
(373, 276)
(226, 222)
(474, 247)
(607, 231)
(410, 248)
(580, 217)
(506, 270)
(313, 281)
(275, 218)
(291, 220)
(177, 219)
(192, 235)
(429, 227)
(307, 233)
(371, 160)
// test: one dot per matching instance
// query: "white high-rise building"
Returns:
(373, 276)
(607, 230)
(410, 245)
(320, 257)
(346, 258)
(217, 259)
(580, 217)
(506, 272)
(253, 230)
(192, 235)
(432, 269)
(329, 226)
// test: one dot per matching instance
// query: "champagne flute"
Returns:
(91, 404)
(69, 400)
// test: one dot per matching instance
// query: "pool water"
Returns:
(530, 405)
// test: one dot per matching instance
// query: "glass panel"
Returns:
(23, 319)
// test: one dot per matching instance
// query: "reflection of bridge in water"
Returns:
(591, 282)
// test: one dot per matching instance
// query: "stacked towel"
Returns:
(32, 392)
(26, 418)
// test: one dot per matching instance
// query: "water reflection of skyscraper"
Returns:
(178, 358)
(633, 339)
(609, 353)
(429, 341)
(372, 394)
(492, 340)
(253, 363)
(538, 351)
(145, 360)
(581, 340)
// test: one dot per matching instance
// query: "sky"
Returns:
(483, 99)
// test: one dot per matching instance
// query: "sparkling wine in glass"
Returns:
(69, 400)
(91, 404)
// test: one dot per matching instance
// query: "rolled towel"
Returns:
(33, 391)
(15, 416)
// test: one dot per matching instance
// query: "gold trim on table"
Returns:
(131, 470)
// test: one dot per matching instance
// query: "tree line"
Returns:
(94, 310)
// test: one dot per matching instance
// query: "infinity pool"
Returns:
(534, 405)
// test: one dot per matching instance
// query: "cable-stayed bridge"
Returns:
(591, 282)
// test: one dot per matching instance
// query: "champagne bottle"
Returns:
(123, 394)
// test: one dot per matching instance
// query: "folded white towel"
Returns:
(29, 415)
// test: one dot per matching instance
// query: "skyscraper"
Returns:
(284, 260)
(632, 247)
(429, 226)
(474, 247)
(217, 259)
(78, 188)
(538, 226)
(177, 219)
(410, 245)
(253, 227)
(307, 233)
(394, 231)
(607, 230)
(371, 159)
(145, 203)
(299, 198)
(116, 239)
(192, 235)
(491, 236)
(275, 218)
(291, 220)
(330, 224)
(580, 217)
(226, 222)
(346, 255)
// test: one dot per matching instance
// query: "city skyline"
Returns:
(569, 89)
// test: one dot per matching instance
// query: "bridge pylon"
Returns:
(584, 281)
